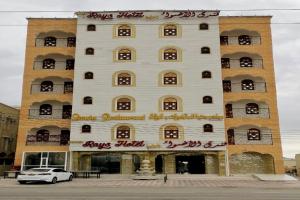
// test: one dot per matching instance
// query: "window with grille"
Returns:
(49, 63)
(123, 132)
(246, 62)
(170, 30)
(230, 136)
(203, 26)
(224, 40)
(226, 86)
(205, 50)
(50, 42)
(225, 62)
(207, 99)
(86, 129)
(252, 108)
(42, 135)
(124, 79)
(91, 27)
(228, 111)
(170, 104)
(207, 128)
(247, 85)
(70, 64)
(124, 31)
(170, 54)
(88, 75)
(124, 54)
(89, 51)
(253, 134)
(206, 74)
(46, 86)
(71, 42)
(46, 109)
(87, 100)
(171, 132)
(123, 104)
(244, 40)
(170, 78)
(68, 87)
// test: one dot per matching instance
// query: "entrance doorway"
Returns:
(159, 164)
(190, 164)
(108, 164)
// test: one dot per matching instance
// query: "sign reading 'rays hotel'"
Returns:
(106, 90)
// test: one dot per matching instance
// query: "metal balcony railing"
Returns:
(55, 89)
(234, 40)
(241, 113)
(54, 114)
(51, 140)
(239, 87)
(235, 63)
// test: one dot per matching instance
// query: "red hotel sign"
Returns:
(108, 145)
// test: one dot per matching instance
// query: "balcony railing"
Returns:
(241, 138)
(237, 87)
(56, 89)
(59, 65)
(55, 114)
(235, 63)
(60, 42)
(241, 113)
(234, 40)
(52, 140)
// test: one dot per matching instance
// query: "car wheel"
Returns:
(71, 178)
(22, 182)
(54, 180)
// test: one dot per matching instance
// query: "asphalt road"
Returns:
(47, 192)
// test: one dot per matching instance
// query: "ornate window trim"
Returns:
(116, 53)
(179, 103)
(178, 30)
(116, 30)
(115, 77)
(162, 75)
(132, 104)
(162, 50)
(114, 132)
(180, 131)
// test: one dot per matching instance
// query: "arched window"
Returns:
(170, 104)
(124, 30)
(244, 40)
(88, 75)
(206, 74)
(48, 63)
(46, 86)
(45, 109)
(124, 79)
(170, 30)
(71, 42)
(86, 128)
(203, 26)
(253, 134)
(124, 104)
(123, 132)
(207, 99)
(89, 51)
(170, 78)
(252, 108)
(50, 42)
(88, 100)
(205, 50)
(246, 62)
(171, 132)
(91, 27)
(170, 54)
(247, 84)
(124, 54)
(70, 64)
(207, 128)
(42, 135)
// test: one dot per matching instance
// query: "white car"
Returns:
(50, 175)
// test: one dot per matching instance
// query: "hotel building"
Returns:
(188, 90)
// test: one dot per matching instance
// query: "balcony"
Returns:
(249, 136)
(228, 87)
(49, 140)
(50, 114)
(66, 88)
(56, 65)
(242, 40)
(228, 63)
(52, 42)
(244, 113)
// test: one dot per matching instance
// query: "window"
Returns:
(70, 64)
(42, 135)
(207, 99)
(124, 31)
(230, 136)
(247, 84)
(205, 50)
(123, 132)
(48, 63)
(46, 86)
(225, 62)
(207, 128)
(170, 30)
(86, 129)
(244, 40)
(87, 100)
(46, 109)
(89, 51)
(170, 54)
(206, 74)
(246, 62)
(252, 108)
(71, 42)
(170, 78)
(91, 27)
(88, 75)
(50, 42)
(203, 26)
(253, 134)
(68, 87)
(124, 54)
(226, 86)
(171, 132)
(124, 79)
(224, 40)
(228, 111)
(123, 104)
(170, 104)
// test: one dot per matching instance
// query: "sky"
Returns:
(286, 44)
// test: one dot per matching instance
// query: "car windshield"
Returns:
(38, 170)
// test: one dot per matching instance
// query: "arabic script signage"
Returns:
(194, 144)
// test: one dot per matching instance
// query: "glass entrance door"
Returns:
(108, 164)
